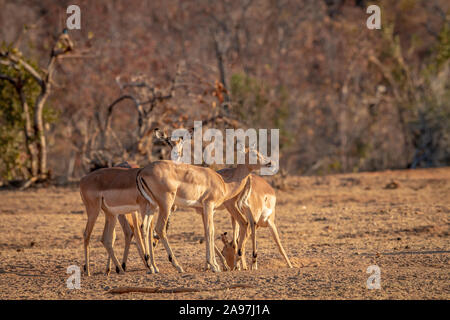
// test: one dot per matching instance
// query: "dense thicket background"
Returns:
(344, 97)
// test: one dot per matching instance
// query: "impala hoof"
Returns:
(119, 271)
(124, 266)
(215, 268)
(152, 270)
(180, 269)
(86, 271)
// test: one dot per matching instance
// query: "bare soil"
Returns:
(333, 229)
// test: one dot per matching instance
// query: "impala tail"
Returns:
(143, 189)
(147, 194)
(245, 194)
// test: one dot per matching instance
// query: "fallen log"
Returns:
(121, 290)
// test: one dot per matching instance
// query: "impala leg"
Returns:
(243, 237)
(208, 217)
(108, 261)
(107, 239)
(146, 226)
(254, 253)
(241, 229)
(92, 213)
(276, 237)
(153, 267)
(128, 235)
(138, 238)
(200, 212)
(144, 231)
(156, 236)
(147, 230)
(235, 227)
(164, 211)
(253, 227)
(222, 259)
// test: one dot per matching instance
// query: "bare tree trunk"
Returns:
(40, 133)
(28, 131)
(220, 52)
(62, 46)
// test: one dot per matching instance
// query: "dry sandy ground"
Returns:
(332, 227)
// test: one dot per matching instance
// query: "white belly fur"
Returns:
(265, 213)
(267, 210)
(121, 209)
(187, 203)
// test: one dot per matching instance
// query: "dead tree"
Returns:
(146, 98)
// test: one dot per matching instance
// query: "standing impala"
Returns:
(165, 183)
(113, 190)
(257, 202)
(253, 206)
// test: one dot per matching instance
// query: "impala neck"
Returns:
(236, 182)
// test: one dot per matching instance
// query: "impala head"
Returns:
(252, 154)
(228, 251)
(175, 145)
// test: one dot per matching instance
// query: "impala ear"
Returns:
(224, 238)
(160, 134)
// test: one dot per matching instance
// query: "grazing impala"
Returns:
(113, 190)
(165, 183)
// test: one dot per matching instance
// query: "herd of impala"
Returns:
(133, 195)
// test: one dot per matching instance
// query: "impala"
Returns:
(257, 202)
(165, 183)
(113, 190)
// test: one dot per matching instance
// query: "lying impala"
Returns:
(113, 190)
(166, 183)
